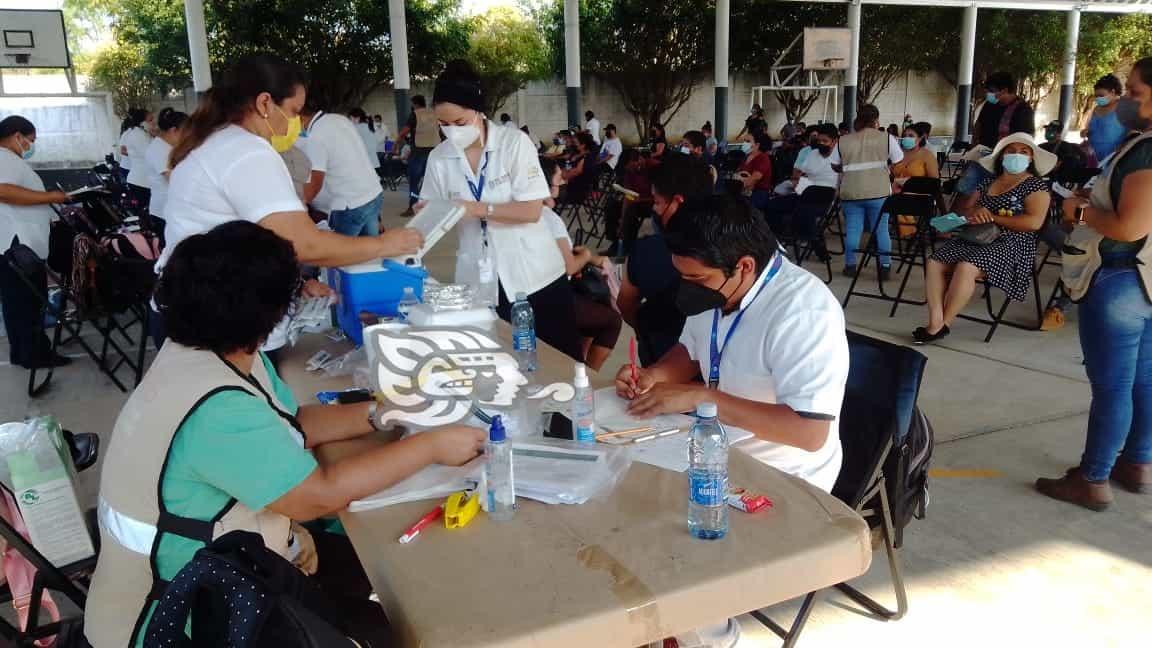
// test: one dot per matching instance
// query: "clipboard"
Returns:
(434, 221)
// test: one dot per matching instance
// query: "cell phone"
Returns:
(559, 427)
(353, 396)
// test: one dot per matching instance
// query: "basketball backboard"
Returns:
(827, 48)
(33, 38)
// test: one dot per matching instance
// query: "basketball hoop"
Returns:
(19, 59)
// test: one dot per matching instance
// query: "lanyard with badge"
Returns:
(477, 189)
(717, 352)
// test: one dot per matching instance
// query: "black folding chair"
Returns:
(995, 318)
(919, 201)
(817, 205)
(730, 163)
(879, 405)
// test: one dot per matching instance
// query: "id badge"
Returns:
(487, 274)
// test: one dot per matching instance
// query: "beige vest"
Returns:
(864, 156)
(179, 380)
(427, 133)
(1078, 270)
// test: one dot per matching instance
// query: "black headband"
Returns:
(462, 93)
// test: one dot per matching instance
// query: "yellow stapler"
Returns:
(460, 508)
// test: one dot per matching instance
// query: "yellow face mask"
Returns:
(284, 142)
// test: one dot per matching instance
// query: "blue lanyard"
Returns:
(477, 189)
(715, 352)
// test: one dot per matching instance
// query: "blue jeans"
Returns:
(417, 163)
(856, 214)
(1116, 337)
(358, 221)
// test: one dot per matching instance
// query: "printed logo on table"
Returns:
(433, 376)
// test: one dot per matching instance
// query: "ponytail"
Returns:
(170, 118)
(136, 116)
(230, 99)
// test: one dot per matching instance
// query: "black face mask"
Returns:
(824, 150)
(693, 299)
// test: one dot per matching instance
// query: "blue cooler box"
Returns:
(374, 287)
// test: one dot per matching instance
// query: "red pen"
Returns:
(414, 530)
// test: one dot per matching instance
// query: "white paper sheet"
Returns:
(669, 453)
(430, 483)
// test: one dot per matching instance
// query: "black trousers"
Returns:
(555, 312)
(23, 317)
(342, 578)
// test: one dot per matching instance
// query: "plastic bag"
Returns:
(347, 364)
(555, 471)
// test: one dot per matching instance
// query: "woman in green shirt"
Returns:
(212, 441)
(1116, 313)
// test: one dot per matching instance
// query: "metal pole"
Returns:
(198, 45)
(721, 74)
(402, 82)
(852, 74)
(572, 59)
(1068, 82)
(964, 74)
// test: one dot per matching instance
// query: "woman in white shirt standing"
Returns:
(366, 132)
(134, 140)
(168, 124)
(495, 174)
(24, 215)
(226, 166)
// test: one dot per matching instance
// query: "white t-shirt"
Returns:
(154, 165)
(136, 140)
(381, 137)
(335, 148)
(29, 222)
(525, 255)
(369, 139)
(593, 126)
(818, 172)
(233, 175)
(613, 147)
(791, 349)
(556, 225)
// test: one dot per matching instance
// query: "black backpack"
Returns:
(906, 474)
(243, 595)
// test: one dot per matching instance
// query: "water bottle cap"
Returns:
(581, 379)
(707, 410)
(521, 296)
(496, 431)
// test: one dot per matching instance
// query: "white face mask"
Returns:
(461, 136)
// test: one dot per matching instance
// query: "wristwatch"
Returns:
(490, 208)
(1080, 213)
(372, 414)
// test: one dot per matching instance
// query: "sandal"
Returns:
(922, 336)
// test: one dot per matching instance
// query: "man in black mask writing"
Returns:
(766, 335)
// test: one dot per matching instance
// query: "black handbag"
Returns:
(591, 283)
(981, 234)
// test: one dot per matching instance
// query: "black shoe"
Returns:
(849, 271)
(49, 362)
(922, 336)
(885, 272)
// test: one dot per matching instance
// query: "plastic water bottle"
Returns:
(707, 475)
(498, 473)
(583, 407)
(407, 301)
(524, 333)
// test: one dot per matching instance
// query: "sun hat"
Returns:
(1043, 160)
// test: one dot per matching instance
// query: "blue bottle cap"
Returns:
(496, 431)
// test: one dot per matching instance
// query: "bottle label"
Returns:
(707, 490)
(585, 431)
(524, 340)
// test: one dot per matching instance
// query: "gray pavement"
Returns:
(993, 564)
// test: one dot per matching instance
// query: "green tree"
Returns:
(652, 57)
(508, 51)
(119, 69)
(1109, 44)
(896, 40)
(88, 24)
(343, 44)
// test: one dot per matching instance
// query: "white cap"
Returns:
(581, 379)
(521, 296)
(707, 410)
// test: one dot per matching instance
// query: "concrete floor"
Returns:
(994, 564)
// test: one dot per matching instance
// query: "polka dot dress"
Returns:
(1008, 261)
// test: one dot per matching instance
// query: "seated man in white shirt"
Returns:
(817, 169)
(767, 336)
(612, 149)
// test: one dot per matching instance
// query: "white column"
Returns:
(402, 81)
(1068, 81)
(723, 15)
(964, 73)
(852, 74)
(198, 45)
(572, 59)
